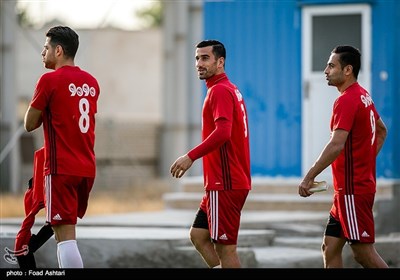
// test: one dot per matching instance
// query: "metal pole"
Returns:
(10, 167)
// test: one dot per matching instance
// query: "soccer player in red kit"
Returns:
(65, 102)
(357, 136)
(226, 161)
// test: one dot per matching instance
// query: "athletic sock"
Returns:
(68, 254)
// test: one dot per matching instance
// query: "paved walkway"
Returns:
(267, 239)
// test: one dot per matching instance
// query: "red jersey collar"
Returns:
(215, 79)
(350, 86)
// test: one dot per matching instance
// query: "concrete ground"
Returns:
(267, 239)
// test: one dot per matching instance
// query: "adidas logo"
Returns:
(365, 234)
(223, 237)
(57, 217)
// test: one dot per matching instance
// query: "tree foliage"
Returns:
(152, 15)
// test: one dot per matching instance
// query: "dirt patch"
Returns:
(144, 197)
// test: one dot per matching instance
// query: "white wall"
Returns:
(127, 65)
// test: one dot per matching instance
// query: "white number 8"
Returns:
(84, 121)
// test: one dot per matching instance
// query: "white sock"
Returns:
(68, 254)
(217, 266)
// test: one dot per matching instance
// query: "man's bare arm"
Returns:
(33, 119)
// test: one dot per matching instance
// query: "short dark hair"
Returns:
(349, 55)
(218, 48)
(66, 38)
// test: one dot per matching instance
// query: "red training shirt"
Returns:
(225, 134)
(354, 170)
(68, 98)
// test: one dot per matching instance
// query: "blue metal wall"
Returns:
(263, 41)
(386, 92)
(263, 59)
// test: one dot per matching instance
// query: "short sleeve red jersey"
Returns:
(354, 170)
(228, 166)
(68, 98)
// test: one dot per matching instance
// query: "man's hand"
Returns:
(180, 166)
(304, 188)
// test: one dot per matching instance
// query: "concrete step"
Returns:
(255, 201)
(276, 185)
(388, 247)
(267, 239)
(188, 257)
(318, 202)
(287, 257)
(304, 252)
(259, 184)
(276, 194)
(132, 247)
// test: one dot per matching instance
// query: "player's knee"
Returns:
(199, 236)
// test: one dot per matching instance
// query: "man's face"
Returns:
(333, 72)
(49, 55)
(206, 64)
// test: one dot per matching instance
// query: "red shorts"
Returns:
(355, 214)
(66, 198)
(223, 210)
